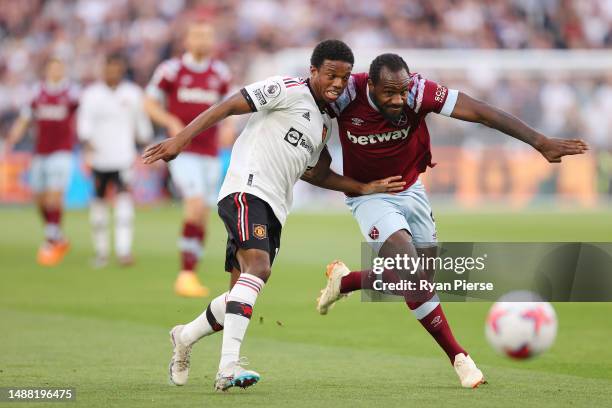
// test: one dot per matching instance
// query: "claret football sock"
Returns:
(238, 311)
(209, 322)
(53, 218)
(190, 245)
(431, 316)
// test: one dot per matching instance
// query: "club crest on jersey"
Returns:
(374, 234)
(260, 231)
(402, 121)
(357, 121)
(272, 89)
(213, 82)
(186, 80)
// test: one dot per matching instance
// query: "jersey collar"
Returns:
(321, 108)
(192, 64)
(370, 101)
(56, 87)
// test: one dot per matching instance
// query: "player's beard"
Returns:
(390, 118)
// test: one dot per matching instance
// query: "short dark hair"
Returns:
(333, 50)
(116, 57)
(393, 62)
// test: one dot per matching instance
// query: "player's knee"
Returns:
(195, 209)
(258, 266)
(398, 242)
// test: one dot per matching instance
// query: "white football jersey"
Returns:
(281, 140)
(112, 121)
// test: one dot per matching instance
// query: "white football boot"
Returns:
(234, 375)
(469, 375)
(181, 354)
(331, 293)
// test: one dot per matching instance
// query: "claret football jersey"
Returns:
(374, 147)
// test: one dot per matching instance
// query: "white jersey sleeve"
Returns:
(85, 116)
(269, 94)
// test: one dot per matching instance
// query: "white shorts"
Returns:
(380, 215)
(196, 175)
(51, 172)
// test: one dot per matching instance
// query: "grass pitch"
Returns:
(105, 332)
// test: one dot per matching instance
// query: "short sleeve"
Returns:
(349, 94)
(268, 94)
(427, 96)
(27, 109)
(225, 75)
(163, 79)
(74, 94)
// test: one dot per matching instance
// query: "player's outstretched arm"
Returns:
(170, 148)
(322, 176)
(16, 133)
(473, 110)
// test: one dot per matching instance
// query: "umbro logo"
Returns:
(306, 116)
(357, 121)
(436, 321)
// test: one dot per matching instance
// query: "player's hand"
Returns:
(166, 150)
(387, 185)
(174, 126)
(554, 149)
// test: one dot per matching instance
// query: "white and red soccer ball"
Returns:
(521, 329)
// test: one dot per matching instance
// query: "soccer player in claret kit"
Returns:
(52, 109)
(381, 115)
(189, 85)
(283, 137)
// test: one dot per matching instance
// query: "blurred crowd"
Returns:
(83, 31)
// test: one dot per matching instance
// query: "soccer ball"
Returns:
(521, 329)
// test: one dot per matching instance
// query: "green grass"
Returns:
(105, 331)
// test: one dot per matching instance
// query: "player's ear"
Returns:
(313, 70)
(370, 83)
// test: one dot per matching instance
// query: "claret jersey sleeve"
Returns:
(269, 94)
(425, 96)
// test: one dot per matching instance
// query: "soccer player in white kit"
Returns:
(110, 121)
(283, 138)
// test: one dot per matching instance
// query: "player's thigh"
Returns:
(417, 210)
(123, 181)
(210, 168)
(378, 218)
(37, 175)
(186, 175)
(101, 182)
(250, 224)
(57, 168)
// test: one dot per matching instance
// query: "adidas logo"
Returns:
(306, 116)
